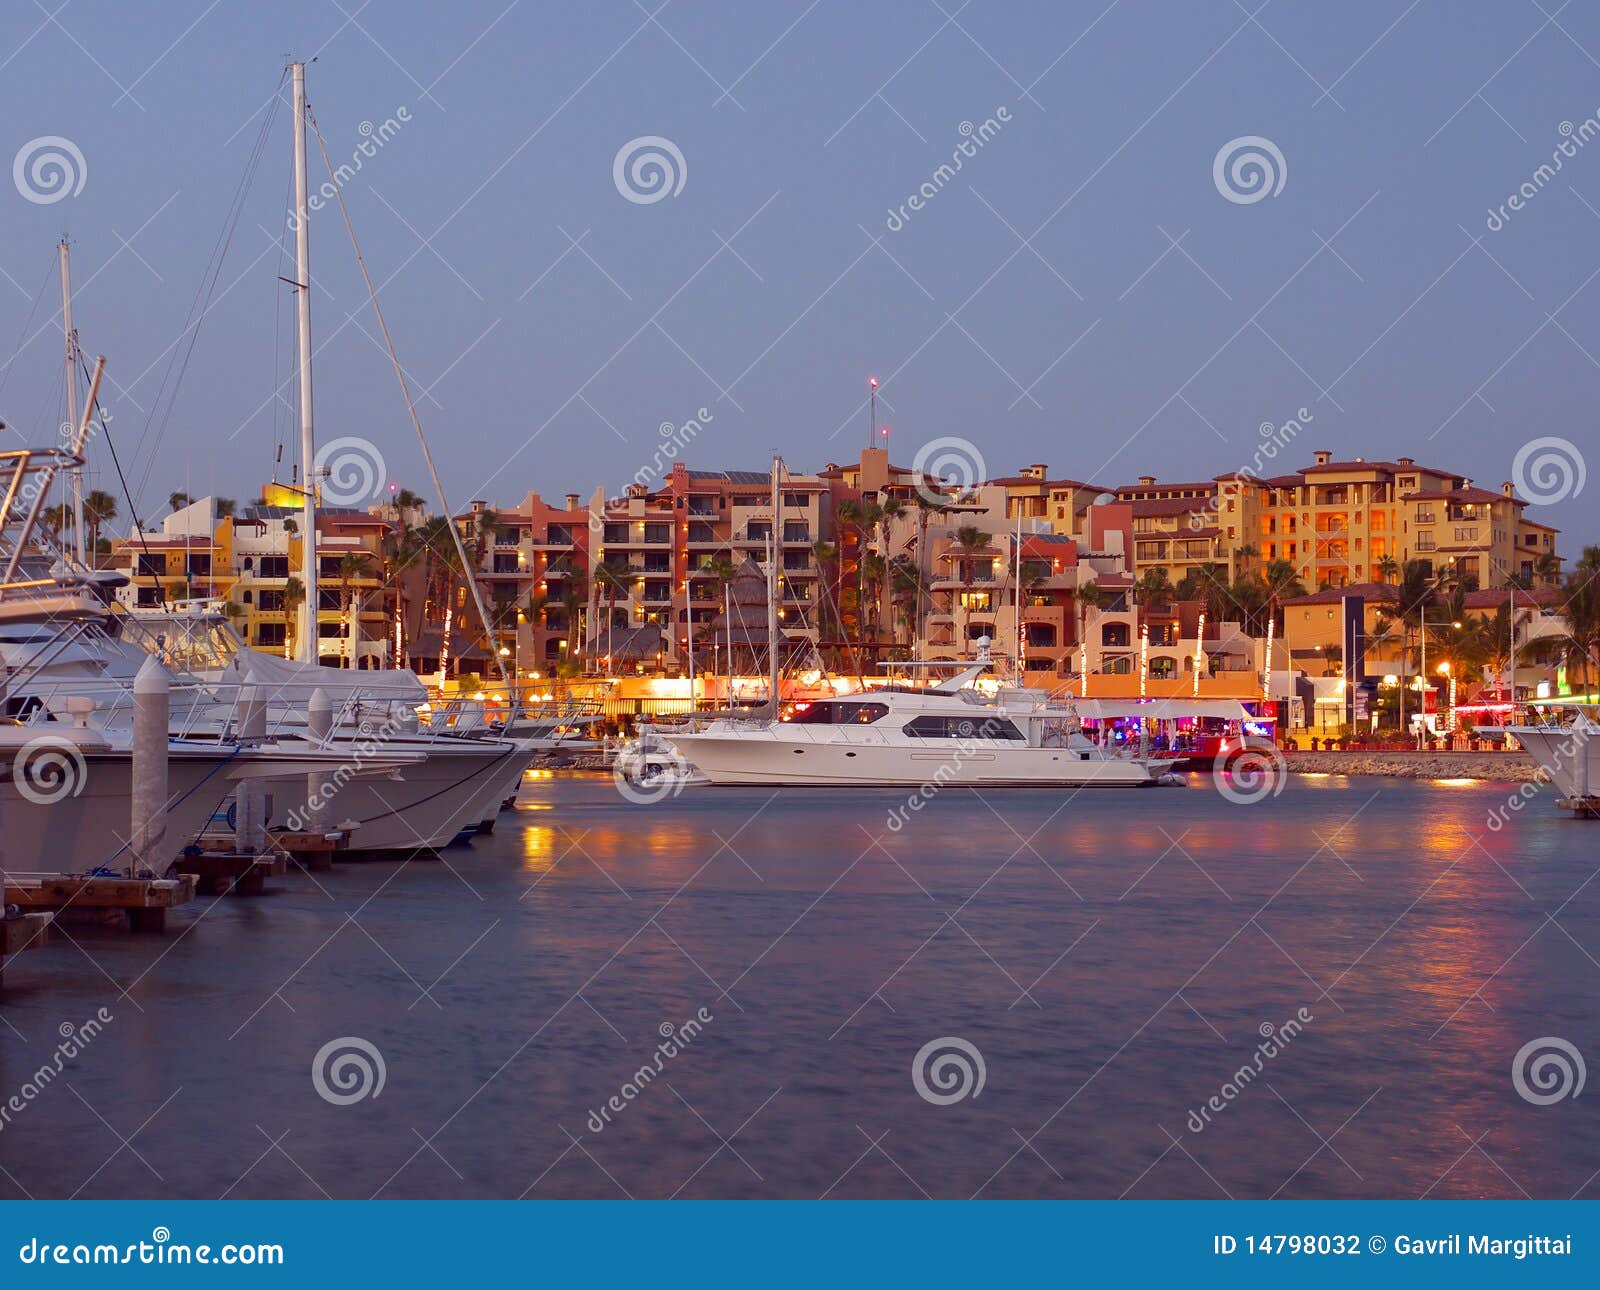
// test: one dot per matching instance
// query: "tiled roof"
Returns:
(1494, 597)
(1333, 595)
(1472, 495)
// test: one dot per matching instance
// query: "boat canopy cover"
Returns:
(1162, 709)
(286, 678)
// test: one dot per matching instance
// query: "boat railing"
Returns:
(201, 709)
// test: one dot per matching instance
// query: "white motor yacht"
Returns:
(949, 734)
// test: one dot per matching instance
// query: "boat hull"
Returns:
(746, 759)
(421, 808)
(1570, 755)
(80, 830)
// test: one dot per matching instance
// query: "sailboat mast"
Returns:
(71, 335)
(308, 438)
(772, 587)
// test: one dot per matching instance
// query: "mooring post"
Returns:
(319, 786)
(250, 798)
(152, 706)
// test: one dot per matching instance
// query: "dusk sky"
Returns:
(1035, 305)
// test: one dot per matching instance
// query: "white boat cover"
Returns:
(287, 677)
(1162, 709)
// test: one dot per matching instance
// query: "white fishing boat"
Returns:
(1568, 751)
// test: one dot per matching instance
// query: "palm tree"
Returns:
(1580, 607)
(1088, 596)
(177, 501)
(99, 507)
(611, 576)
(1155, 586)
(889, 510)
(226, 508)
(927, 508)
(1387, 568)
(353, 565)
(294, 595)
(445, 571)
(970, 539)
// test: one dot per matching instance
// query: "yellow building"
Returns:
(1342, 522)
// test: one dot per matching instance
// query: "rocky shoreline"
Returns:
(1508, 767)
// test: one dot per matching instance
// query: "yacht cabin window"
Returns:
(962, 728)
(839, 714)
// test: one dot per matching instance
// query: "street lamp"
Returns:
(1423, 671)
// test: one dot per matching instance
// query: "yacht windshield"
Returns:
(839, 714)
(193, 643)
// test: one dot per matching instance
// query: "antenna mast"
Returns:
(309, 644)
(79, 547)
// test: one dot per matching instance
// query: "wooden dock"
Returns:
(25, 932)
(310, 850)
(1584, 808)
(144, 900)
(221, 872)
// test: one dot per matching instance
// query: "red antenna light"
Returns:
(884, 432)
(873, 382)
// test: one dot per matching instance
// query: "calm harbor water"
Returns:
(1112, 959)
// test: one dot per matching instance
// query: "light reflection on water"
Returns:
(1112, 955)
